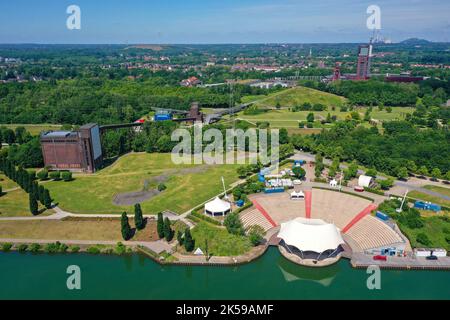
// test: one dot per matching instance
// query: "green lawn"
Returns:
(34, 129)
(16, 204)
(422, 196)
(7, 183)
(442, 190)
(94, 193)
(284, 118)
(220, 242)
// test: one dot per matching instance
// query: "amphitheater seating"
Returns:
(370, 233)
(280, 207)
(252, 217)
(337, 208)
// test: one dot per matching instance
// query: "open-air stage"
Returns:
(362, 233)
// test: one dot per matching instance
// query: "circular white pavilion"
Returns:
(310, 241)
(217, 207)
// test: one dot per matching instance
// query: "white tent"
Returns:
(310, 235)
(297, 195)
(333, 183)
(198, 252)
(364, 181)
(217, 207)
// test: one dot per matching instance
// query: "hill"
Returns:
(299, 95)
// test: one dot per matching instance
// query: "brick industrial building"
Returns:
(78, 151)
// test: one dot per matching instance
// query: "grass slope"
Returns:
(94, 193)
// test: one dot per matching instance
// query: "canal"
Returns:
(43, 276)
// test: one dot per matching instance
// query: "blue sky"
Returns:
(220, 21)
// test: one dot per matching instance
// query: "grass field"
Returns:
(185, 189)
(437, 230)
(220, 242)
(299, 95)
(34, 129)
(7, 183)
(15, 204)
(441, 190)
(422, 196)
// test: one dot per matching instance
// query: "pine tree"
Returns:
(41, 192)
(35, 190)
(138, 218)
(168, 233)
(180, 237)
(160, 225)
(125, 227)
(34, 209)
(189, 243)
(47, 199)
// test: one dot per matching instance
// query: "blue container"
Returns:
(382, 216)
(273, 190)
(300, 162)
(427, 206)
(163, 117)
(240, 203)
(261, 178)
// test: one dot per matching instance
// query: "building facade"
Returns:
(77, 151)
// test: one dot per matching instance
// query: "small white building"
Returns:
(425, 252)
(297, 195)
(333, 183)
(364, 181)
(217, 207)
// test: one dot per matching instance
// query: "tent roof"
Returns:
(198, 252)
(217, 205)
(310, 235)
(364, 181)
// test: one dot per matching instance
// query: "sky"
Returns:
(220, 21)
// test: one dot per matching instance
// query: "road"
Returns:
(302, 155)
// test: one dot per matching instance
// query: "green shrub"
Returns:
(43, 174)
(66, 176)
(22, 247)
(51, 248)
(161, 187)
(35, 247)
(423, 239)
(6, 246)
(55, 175)
(120, 248)
(256, 234)
(63, 248)
(74, 249)
(93, 250)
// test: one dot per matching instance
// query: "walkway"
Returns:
(308, 201)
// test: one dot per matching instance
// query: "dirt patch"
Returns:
(149, 233)
(131, 198)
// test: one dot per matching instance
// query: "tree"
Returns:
(138, 218)
(168, 232)
(233, 224)
(423, 171)
(371, 172)
(283, 136)
(34, 208)
(256, 234)
(47, 199)
(402, 173)
(180, 237)
(435, 173)
(189, 243)
(125, 227)
(310, 117)
(423, 239)
(299, 172)
(242, 171)
(160, 225)
(41, 191)
(386, 183)
(447, 175)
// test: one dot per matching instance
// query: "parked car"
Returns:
(358, 189)
(431, 257)
(380, 258)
